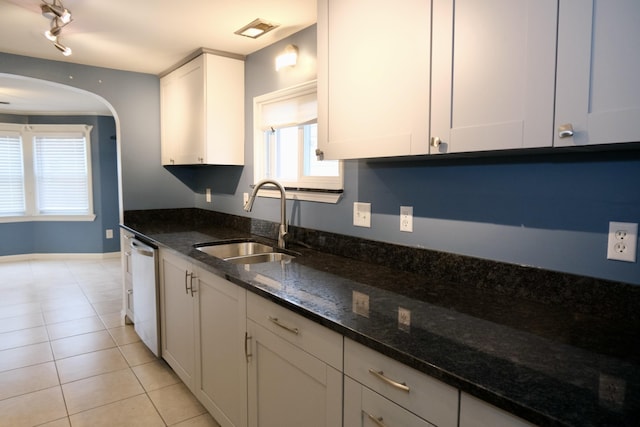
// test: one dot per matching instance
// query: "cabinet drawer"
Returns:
(363, 407)
(311, 337)
(427, 397)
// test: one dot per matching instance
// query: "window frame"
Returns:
(27, 136)
(319, 189)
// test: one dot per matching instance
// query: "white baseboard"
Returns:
(40, 257)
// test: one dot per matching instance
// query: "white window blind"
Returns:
(290, 111)
(12, 201)
(61, 174)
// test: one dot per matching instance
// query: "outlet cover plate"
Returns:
(362, 214)
(622, 242)
(406, 218)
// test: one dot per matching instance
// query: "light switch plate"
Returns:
(362, 214)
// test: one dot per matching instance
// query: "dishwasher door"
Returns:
(144, 266)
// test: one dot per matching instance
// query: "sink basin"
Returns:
(233, 248)
(257, 258)
(243, 251)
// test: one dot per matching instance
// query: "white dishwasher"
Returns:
(144, 266)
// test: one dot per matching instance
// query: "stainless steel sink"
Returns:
(243, 251)
(258, 258)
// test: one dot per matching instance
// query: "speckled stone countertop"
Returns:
(554, 358)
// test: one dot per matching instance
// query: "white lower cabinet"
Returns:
(203, 322)
(292, 382)
(254, 363)
(476, 413)
(127, 296)
(429, 399)
(221, 382)
(177, 316)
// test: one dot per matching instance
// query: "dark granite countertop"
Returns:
(541, 362)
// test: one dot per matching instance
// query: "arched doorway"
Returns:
(29, 101)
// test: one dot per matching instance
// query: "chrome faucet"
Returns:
(284, 229)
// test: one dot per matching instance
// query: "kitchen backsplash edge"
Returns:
(579, 294)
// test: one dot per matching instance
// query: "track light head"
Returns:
(55, 30)
(66, 51)
(55, 10)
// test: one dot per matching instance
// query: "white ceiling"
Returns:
(148, 36)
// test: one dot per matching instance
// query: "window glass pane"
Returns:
(11, 176)
(61, 173)
(286, 158)
(313, 166)
(286, 122)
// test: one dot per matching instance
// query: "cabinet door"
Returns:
(182, 114)
(363, 407)
(373, 78)
(177, 316)
(288, 387)
(493, 74)
(476, 413)
(598, 88)
(224, 106)
(126, 273)
(222, 373)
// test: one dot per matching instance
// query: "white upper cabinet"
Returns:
(493, 74)
(598, 87)
(202, 112)
(373, 78)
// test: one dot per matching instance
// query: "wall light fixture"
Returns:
(288, 57)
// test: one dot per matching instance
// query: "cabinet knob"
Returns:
(435, 142)
(565, 130)
(319, 154)
(201, 159)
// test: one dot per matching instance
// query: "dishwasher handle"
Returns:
(140, 248)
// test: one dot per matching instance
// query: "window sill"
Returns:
(52, 218)
(308, 196)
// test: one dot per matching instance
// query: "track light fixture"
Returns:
(60, 16)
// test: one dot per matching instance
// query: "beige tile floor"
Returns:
(68, 359)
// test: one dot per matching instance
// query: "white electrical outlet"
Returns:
(406, 218)
(245, 198)
(404, 319)
(612, 391)
(622, 242)
(108, 233)
(362, 214)
(208, 195)
(360, 303)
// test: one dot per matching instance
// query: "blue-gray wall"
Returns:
(541, 210)
(67, 236)
(135, 102)
(548, 211)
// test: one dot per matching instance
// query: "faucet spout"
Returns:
(284, 228)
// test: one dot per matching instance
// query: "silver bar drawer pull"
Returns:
(565, 130)
(381, 375)
(285, 327)
(377, 420)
